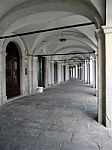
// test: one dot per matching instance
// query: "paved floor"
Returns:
(61, 118)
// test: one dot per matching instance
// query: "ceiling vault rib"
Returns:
(47, 30)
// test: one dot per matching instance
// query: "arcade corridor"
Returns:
(60, 118)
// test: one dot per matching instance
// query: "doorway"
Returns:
(41, 71)
(12, 70)
(55, 72)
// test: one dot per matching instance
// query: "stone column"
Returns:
(59, 72)
(88, 71)
(92, 71)
(86, 75)
(101, 72)
(34, 72)
(24, 75)
(82, 72)
(76, 71)
(67, 72)
(97, 76)
(108, 54)
(73, 72)
(52, 72)
(62, 72)
(46, 71)
(49, 72)
(30, 74)
(3, 77)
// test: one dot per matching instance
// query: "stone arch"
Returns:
(22, 53)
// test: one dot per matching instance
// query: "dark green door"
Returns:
(41, 72)
(64, 72)
(55, 72)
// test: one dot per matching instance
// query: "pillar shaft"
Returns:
(76, 71)
(59, 72)
(97, 77)
(67, 72)
(79, 74)
(62, 72)
(35, 80)
(101, 72)
(30, 75)
(52, 73)
(73, 72)
(49, 73)
(82, 72)
(108, 54)
(86, 71)
(92, 71)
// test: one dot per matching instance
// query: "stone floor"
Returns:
(61, 118)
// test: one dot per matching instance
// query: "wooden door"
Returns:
(12, 71)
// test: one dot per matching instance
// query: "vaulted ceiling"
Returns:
(17, 16)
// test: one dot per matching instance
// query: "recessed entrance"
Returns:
(12, 70)
(55, 72)
(42, 71)
(64, 72)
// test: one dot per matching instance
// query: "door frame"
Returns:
(22, 53)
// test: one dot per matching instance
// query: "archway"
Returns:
(12, 70)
